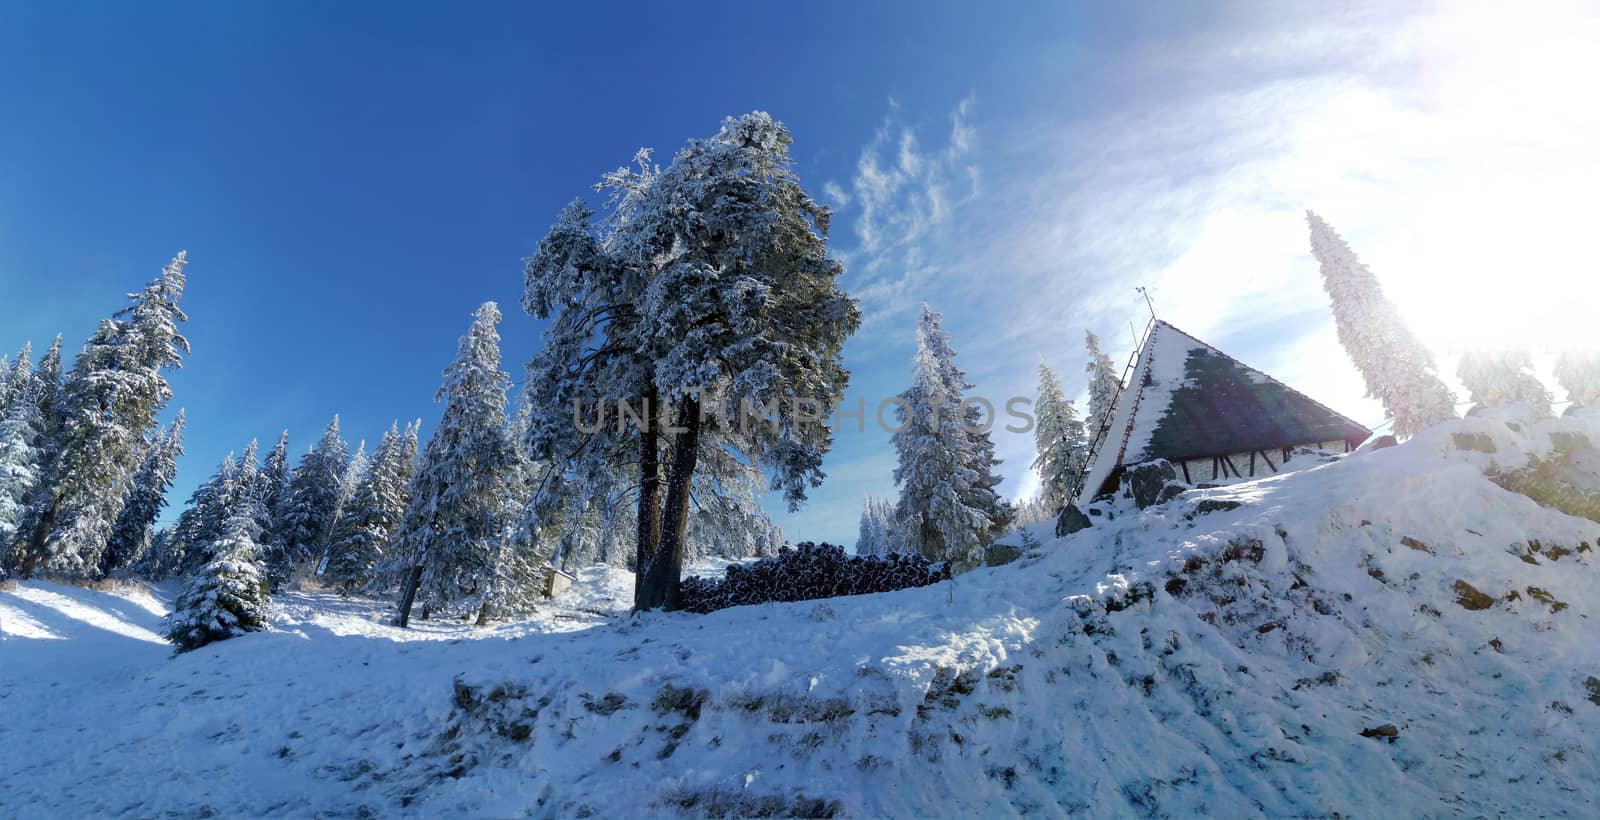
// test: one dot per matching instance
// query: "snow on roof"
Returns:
(1187, 399)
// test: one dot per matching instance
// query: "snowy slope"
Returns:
(1165, 662)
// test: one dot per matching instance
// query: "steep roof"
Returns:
(1187, 399)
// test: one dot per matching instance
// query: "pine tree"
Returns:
(19, 467)
(1398, 370)
(1579, 374)
(1104, 384)
(371, 515)
(1503, 378)
(948, 509)
(1060, 441)
(108, 406)
(201, 523)
(147, 496)
(228, 597)
(311, 508)
(876, 532)
(274, 489)
(21, 433)
(454, 521)
(16, 378)
(47, 384)
(711, 282)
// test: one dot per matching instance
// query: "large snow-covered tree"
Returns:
(373, 511)
(107, 408)
(1059, 441)
(147, 497)
(948, 509)
(310, 508)
(708, 284)
(454, 522)
(1397, 369)
(1578, 372)
(228, 597)
(1503, 378)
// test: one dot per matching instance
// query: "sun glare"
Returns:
(1500, 238)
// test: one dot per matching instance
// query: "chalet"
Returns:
(1214, 418)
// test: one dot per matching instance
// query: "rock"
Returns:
(1171, 491)
(1146, 482)
(997, 555)
(1071, 520)
(1593, 685)
(1383, 442)
(1387, 731)
(1469, 597)
(1475, 442)
(1211, 505)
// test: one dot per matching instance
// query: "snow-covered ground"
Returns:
(1170, 662)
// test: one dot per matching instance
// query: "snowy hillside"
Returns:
(1389, 634)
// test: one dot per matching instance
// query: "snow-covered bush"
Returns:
(1579, 375)
(228, 598)
(808, 571)
(1503, 378)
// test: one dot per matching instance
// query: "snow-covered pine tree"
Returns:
(21, 432)
(1398, 370)
(311, 508)
(19, 470)
(108, 407)
(1032, 511)
(355, 468)
(16, 376)
(228, 597)
(370, 516)
(201, 522)
(1060, 441)
(274, 488)
(876, 532)
(1579, 375)
(525, 549)
(1103, 387)
(394, 569)
(47, 385)
(948, 509)
(740, 306)
(147, 496)
(1503, 378)
(452, 526)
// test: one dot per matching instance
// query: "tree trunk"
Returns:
(662, 582)
(483, 614)
(409, 597)
(649, 518)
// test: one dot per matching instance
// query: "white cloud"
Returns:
(902, 192)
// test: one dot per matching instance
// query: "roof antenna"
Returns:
(1145, 292)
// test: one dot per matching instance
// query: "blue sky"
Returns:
(351, 180)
